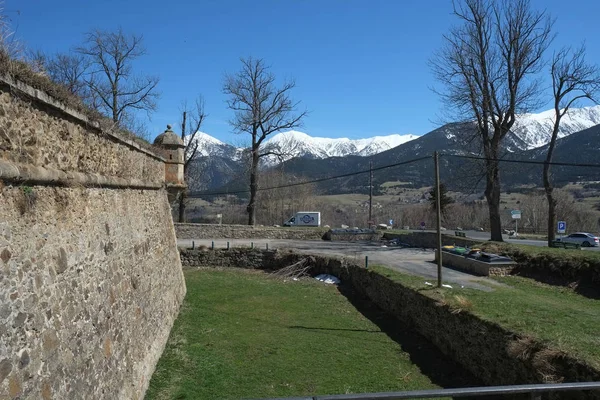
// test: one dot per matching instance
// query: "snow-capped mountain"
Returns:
(531, 131)
(535, 130)
(298, 144)
(211, 146)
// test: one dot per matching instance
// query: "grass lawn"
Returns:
(243, 334)
(556, 315)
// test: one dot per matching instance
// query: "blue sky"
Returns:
(360, 66)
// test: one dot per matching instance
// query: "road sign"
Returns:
(562, 227)
(423, 224)
(391, 222)
(515, 214)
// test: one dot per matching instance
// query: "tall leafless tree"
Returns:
(190, 127)
(488, 65)
(111, 78)
(261, 108)
(573, 79)
(69, 70)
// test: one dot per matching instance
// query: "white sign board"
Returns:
(561, 227)
(515, 214)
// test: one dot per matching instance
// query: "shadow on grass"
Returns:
(442, 370)
(332, 329)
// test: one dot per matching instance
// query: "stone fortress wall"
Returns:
(90, 276)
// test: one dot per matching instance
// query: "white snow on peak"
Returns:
(536, 129)
(297, 144)
(206, 138)
(531, 131)
(211, 146)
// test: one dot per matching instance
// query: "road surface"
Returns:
(541, 243)
(413, 261)
(478, 235)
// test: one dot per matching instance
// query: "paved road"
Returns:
(414, 261)
(541, 243)
(478, 235)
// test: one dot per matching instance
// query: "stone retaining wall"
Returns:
(237, 257)
(429, 239)
(90, 276)
(490, 352)
(210, 231)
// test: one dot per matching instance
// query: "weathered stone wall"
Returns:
(490, 352)
(209, 231)
(90, 276)
(429, 239)
(36, 133)
(89, 289)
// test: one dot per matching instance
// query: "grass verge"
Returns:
(537, 251)
(242, 334)
(577, 269)
(557, 316)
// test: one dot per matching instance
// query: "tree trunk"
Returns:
(551, 217)
(251, 208)
(115, 105)
(546, 173)
(182, 207)
(492, 195)
(551, 201)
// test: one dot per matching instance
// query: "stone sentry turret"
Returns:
(172, 148)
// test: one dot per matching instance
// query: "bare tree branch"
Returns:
(191, 122)
(69, 70)
(109, 77)
(9, 45)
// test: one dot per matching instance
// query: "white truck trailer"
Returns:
(304, 218)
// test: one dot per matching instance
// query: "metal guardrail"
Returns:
(536, 391)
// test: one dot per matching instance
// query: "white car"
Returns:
(581, 238)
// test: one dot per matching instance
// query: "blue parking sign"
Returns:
(562, 227)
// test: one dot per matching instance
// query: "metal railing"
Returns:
(535, 390)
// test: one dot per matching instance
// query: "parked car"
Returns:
(581, 238)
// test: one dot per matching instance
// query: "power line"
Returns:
(560, 164)
(200, 194)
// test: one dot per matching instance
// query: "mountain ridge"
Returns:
(453, 138)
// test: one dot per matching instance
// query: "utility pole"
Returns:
(370, 192)
(438, 218)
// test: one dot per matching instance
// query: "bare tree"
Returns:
(261, 108)
(573, 79)
(70, 71)
(110, 56)
(488, 66)
(189, 131)
(281, 202)
(37, 61)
